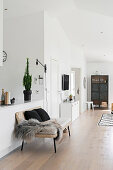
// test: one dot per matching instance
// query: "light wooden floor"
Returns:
(90, 147)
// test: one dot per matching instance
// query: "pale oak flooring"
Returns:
(90, 147)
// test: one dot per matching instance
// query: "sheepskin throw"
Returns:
(27, 129)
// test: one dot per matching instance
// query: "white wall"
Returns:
(102, 68)
(8, 142)
(1, 32)
(36, 36)
(78, 61)
(23, 37)
(56, 47)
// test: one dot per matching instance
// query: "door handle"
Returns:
(78, 91)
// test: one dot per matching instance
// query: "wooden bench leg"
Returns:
(69, 131)
(22, 145)
(54, 145)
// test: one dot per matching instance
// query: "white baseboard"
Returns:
(9, 149)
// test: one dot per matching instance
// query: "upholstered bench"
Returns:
(64, 123)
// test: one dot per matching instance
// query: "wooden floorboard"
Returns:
(90, 147)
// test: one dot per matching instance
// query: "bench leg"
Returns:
(69, 131)
(22, 145)
(54, 145)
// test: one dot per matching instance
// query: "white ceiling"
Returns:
(84, 28)
(88, 23)
(104, 7)
(24, 7)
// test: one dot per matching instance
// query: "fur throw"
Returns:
(28, 128)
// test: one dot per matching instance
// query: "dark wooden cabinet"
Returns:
(99, 90)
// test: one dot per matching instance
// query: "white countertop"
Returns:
(7, 124)
(18, 104)
(73, 101)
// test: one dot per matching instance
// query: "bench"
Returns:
(65, 124)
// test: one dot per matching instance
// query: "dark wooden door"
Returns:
(99, 89)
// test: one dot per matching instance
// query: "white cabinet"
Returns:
(1, 32)
(69, 110)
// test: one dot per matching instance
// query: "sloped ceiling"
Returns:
(24, 7)
(104, 7)
(87, 23)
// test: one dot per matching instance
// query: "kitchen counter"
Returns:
(7, 124)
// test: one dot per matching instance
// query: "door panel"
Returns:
(54, 89)
(77, 84)
(99, 89)
(73, 88)
(95, 87)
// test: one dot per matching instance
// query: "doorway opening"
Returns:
(76, 84)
